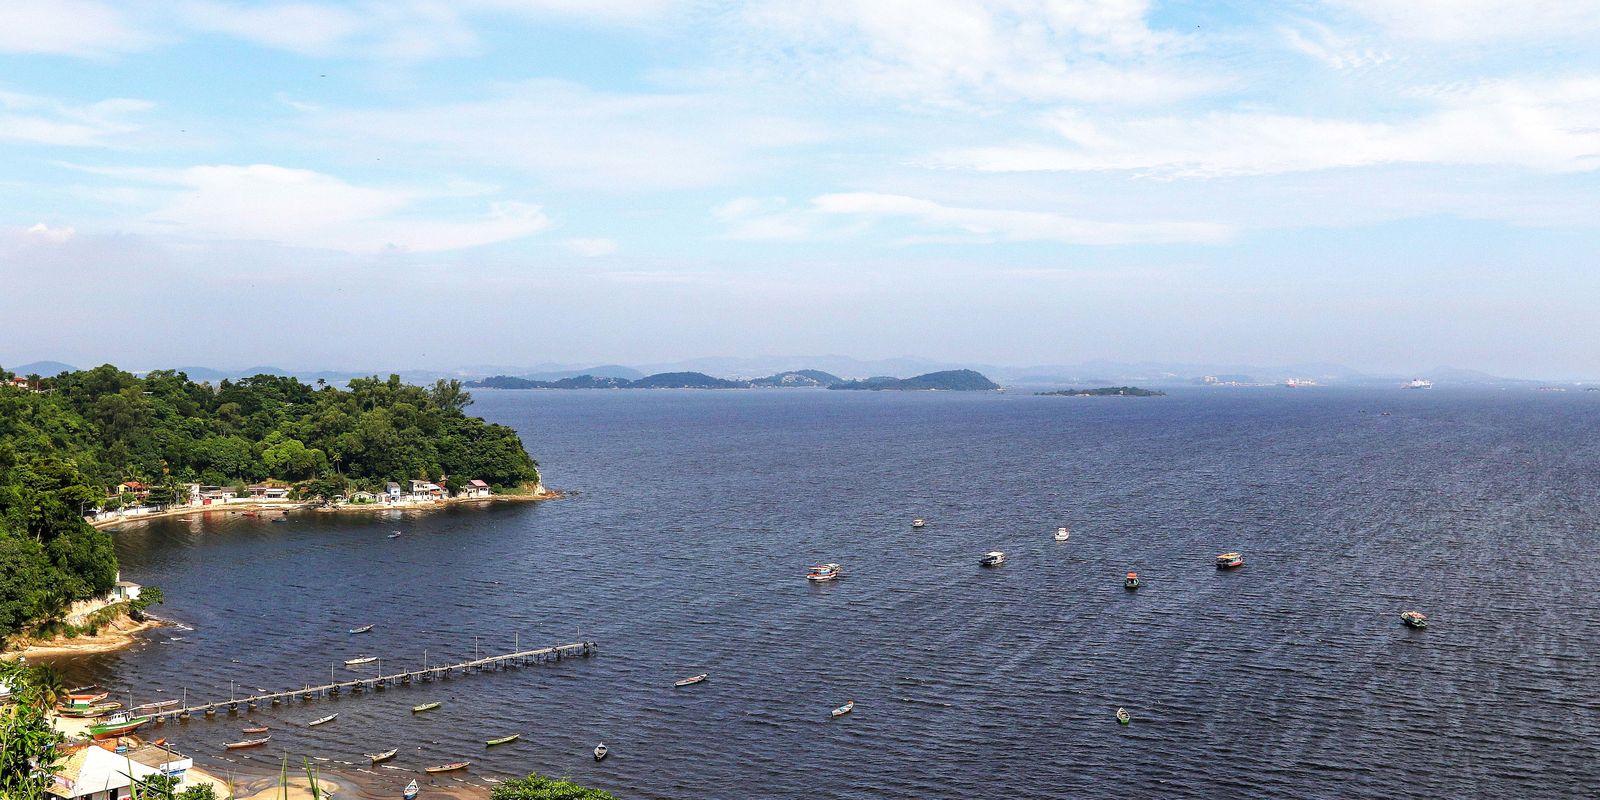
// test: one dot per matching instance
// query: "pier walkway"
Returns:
(428, 674)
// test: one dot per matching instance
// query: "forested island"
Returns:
(1105, 391)
(952, 380)
(80, 441)
(949, 380)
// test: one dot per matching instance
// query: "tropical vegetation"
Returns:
(28, 743)
(68, 441)
(540, 787)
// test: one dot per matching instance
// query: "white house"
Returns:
(425, 490)
(262, 491)
(94, 773)
(392, 489)
(475, 488)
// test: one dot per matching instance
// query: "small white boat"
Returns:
(993, 558)
(314, 723)
(822, 573)
(362, 660)
(844, 709)
(601, 751)
(394, 535)
(1063, 534)
(918, 522)
(692, 680)
(411, 790)
(362, 629)
(1123, 717)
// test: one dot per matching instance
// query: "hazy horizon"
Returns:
(1388, 187)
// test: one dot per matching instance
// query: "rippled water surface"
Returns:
(685, 549)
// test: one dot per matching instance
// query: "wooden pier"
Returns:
(427, 674)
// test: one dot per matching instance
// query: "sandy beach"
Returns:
(115, 635)
(363, 508)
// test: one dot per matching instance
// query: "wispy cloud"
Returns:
(303, 208)
(48, 121)
(68, 27)
(1011, 225)
(1545, 126)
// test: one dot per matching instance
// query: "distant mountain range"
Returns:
(833, 369)
(953, 380)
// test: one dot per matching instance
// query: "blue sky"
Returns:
(1393, 186)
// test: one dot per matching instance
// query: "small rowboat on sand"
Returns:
(503, 740)
(692, 680)
(447, 767)
(316, 722)
(247, 743)
(844, 709)
(425, 707)
(384, 756)
(411, 791)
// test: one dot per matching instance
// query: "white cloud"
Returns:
(1478, 20)
(590, 248)
(44, 233)
(1007, 225)
(960, 52)
(297, 207)
(1552, 127)
(67, 27)
(574, 136)
(415, 29)
(1335, 49)
(43, 120)
(604, 10)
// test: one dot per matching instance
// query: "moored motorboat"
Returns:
(1230, 561)
(993, 558)
(394, 535)
(1131, 582)
(447, 767)
(503, 740)
(601, 751)
(322, 720)
(247, 743)
(359, 661)
(1123, 717)
(848, 707)
(1063, 533)
(918, 522)
(86, 697)
(116, 726)
(383, 756)
(411, 791)
(425, 707)
(88, 712)
(362, 629)
(822, 573)
(1414, 619)
(692, 680)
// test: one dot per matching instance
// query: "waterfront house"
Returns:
(363, 497)
(262, 491)
(134, 488)
(425, 490)
(210, 495)
(475, 488)
(392, 489)
(94, 773)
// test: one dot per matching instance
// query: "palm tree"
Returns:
(49, 689)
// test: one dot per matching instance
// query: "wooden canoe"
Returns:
(502, 740)
(425, 707)
(384, 756)
(447, 767)
(316, 722)
(247, 743)
(692, 680)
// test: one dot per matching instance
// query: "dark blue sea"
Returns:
(695, 514)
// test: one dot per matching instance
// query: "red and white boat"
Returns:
(822, 573)
(692, 680)
(247, 743)
(1230, 561)
(844, 709)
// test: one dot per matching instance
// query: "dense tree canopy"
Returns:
(66, 441)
